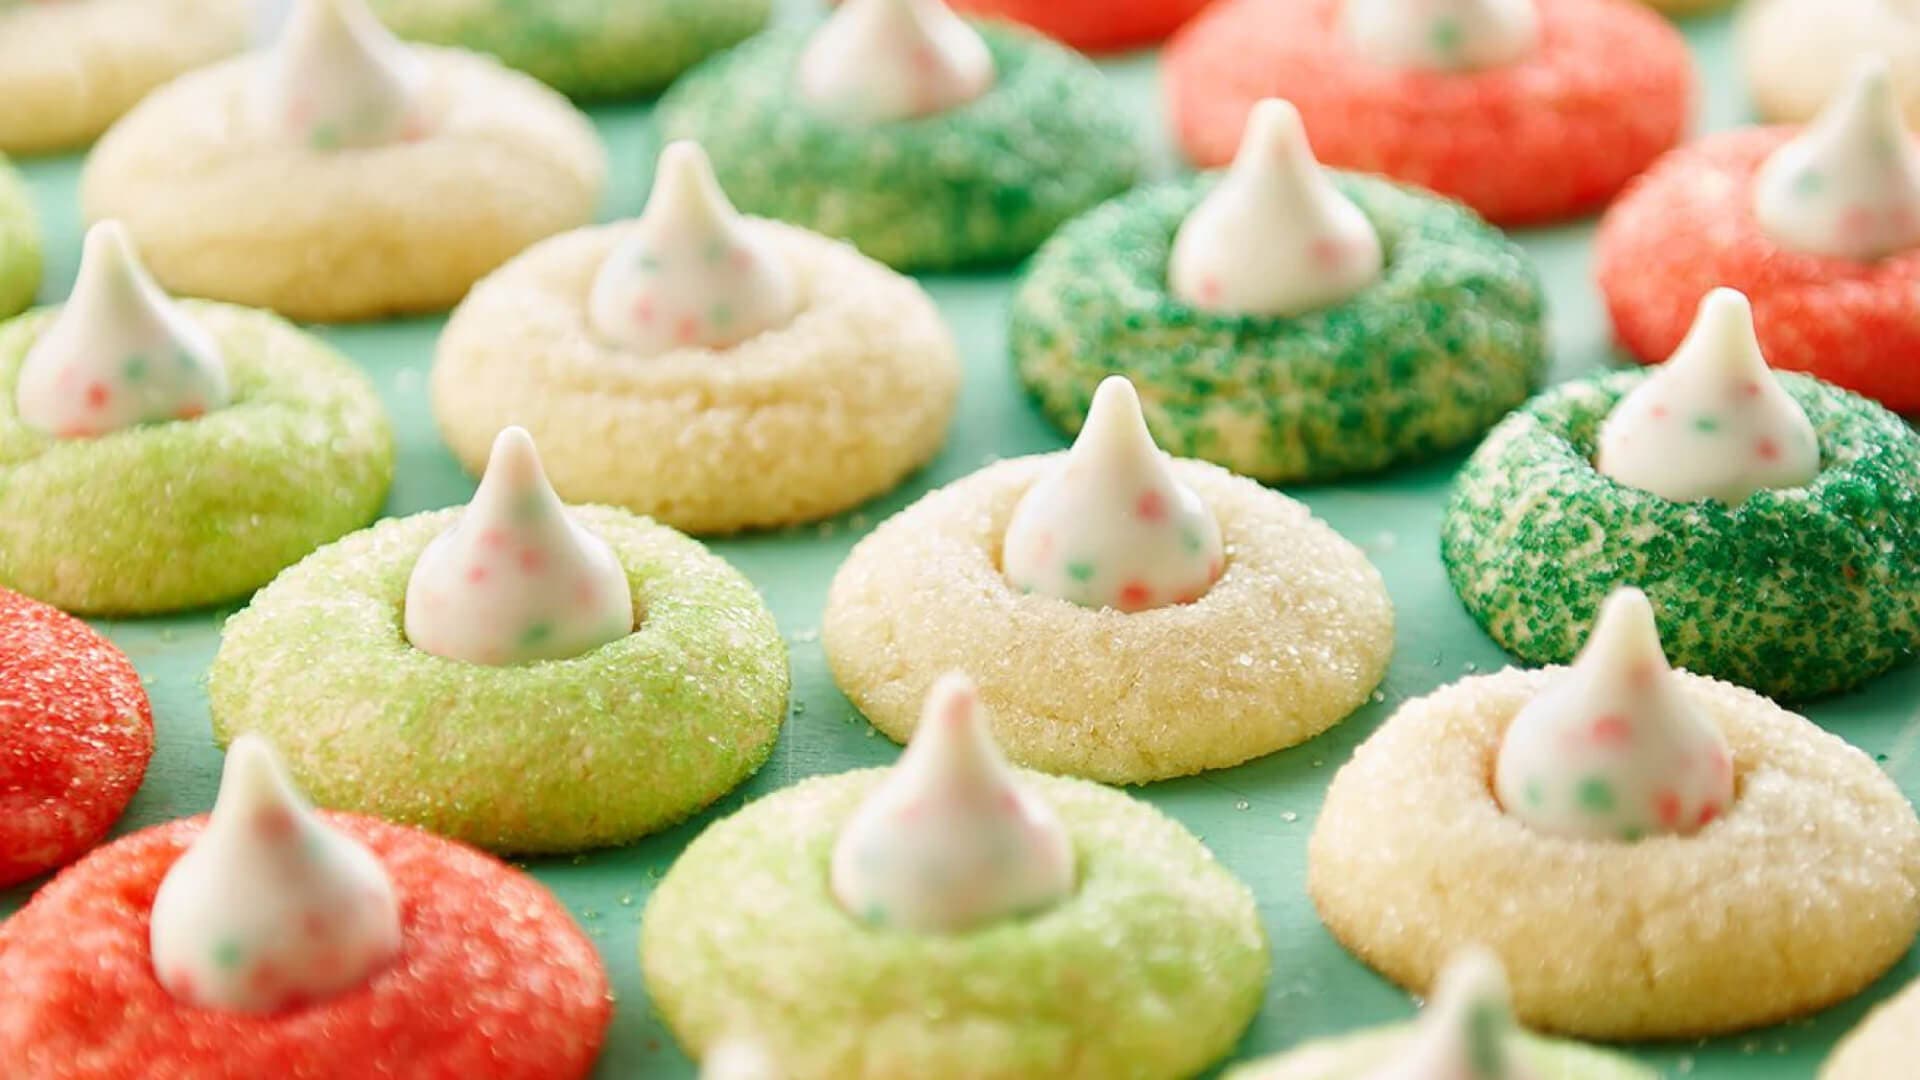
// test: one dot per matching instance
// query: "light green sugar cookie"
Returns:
(1150, 970)
(982, 183)
(174, 515)
(557, 756)
(19, 244)
(583, 48)
(1450, 338)
(1795, 593)
(1350, 1057)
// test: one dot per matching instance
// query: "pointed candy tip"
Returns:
(1871, 78)
(1723, 331)
(251, 775)
(953, 698)
(1115, 417)
(1473, 973)
(512, 448)
(1626, 609)
(1274, 125)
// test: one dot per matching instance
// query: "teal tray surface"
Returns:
(1256, 817)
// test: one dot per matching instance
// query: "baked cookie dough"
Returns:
(1093, 25)
(1290, 639)
(19, 243)
(1150, 969)
(1799, 895)
(1796, 593)
(178, 514)
(1797, 54)
(493, 978)
(78, 732)
(1352, 387)
(1883, 1046)
(67, 70)
(983, 183)
(1552, 132)
(593, 750)
(226, 205)
(804, 420)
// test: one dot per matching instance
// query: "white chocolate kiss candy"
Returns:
(336, 78)
(950, 840)
(1465, 1032)
(1849, 185)
(879, 60)
(516, 579)
(1111, 526)
(1274, 236)
(119, 353)
(1442, 35)
(270, 908)
(1712, 422)
(1612, 749)
(690, 273)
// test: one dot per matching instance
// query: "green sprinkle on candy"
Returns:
(535, 634)
(1596, 795)
(1081, 572)
(528, 507)
(227, 955)
(135, 368)
(1535, 794)
(1705, 424)
(1446, 36)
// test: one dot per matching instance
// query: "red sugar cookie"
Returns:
(1092, 25)
(494, 979)
(75, 735)
(1688, 226)
(1607, 90)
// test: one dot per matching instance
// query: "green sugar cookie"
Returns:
(1429, 356)
(554, 756)
(1795, 593)
(1150, 970)
(19, 244)
(983, 183)
(174, 515)
(1355, 1056)
(583, 48)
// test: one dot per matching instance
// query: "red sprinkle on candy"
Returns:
(1152, 506)
(1135, 596)
(1611, 730)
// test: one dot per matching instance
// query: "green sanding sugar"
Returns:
(1428, 357)
(983, 183)
(1795, 593)
(583, 48)
(173, 515)
(19, 244)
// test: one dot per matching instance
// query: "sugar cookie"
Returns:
(197, 510)
(1290, 639)
(745, 930)
(1802, 893)
(633, 363)
(556, 755)
(78, 732)
(1351, 385)
(67, 70)
(1093, 25)
(964, 186)
(1796, 592)
(339, 175)
(1797, 54)
(19, 244)
(1524, 128)
(586, 49)
(491, 977)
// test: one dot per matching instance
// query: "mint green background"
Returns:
(1256, 818)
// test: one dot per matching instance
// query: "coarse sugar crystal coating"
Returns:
(981, 184)
(1555, 134)
(1797, 592)
(1687, 226)
(1800, 895)
(805, 420)
(553, 756)
(586, 49)
(1797, 54)
(237, 210)
(173, 515)
(68, 70)
(1884, 1045)
(1150, 970)
(493, 979)
(1092, 25)
(20, 255)
(77, 730)
(1291, 638)
(1355, 1056)
(1450, 338)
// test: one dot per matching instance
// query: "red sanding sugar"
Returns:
(494, 979)
(75, 735)
(1092, 25)
(1556, 134)
(1688, 226)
